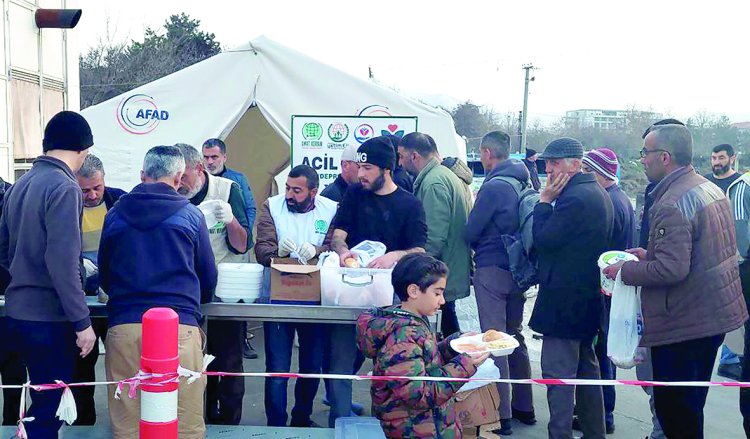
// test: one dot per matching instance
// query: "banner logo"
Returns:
(338, 132)
(139, 114)
(363, 133)
(321, 227)
(312, 131)
(392, 131)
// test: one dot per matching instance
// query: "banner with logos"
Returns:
(317, 141)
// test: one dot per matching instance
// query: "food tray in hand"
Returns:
(474, 345)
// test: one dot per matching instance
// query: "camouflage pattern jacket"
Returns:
(401, 343)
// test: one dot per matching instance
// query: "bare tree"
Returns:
(110, 69)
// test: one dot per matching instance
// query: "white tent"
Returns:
(247, 97)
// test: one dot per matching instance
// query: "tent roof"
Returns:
(209, 98)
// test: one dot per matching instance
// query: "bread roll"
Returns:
(351, 263)
(492, 335)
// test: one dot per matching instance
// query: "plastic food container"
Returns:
(239, 281)
(607, 259)
(358, 428)
(361, 287)
(480, 347)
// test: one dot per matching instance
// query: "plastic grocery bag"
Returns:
(486, 371)
(625, 325)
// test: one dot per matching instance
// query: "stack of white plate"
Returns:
(239, 282)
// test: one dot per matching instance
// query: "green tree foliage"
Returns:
(473, 122)
(110, 69)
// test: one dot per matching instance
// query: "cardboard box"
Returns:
(482, 432)
(478, 407)
(292, 282)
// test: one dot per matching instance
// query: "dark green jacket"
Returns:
(446, 204)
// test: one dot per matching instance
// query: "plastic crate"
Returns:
(358, 428)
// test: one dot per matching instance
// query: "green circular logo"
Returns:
(312, 131)
(321, 226)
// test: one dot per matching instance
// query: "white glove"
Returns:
(90, 268)
(223, 212)
(306, 251)
(287, 246)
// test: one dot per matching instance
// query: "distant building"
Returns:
(38, 78)
(742, 127)
(604, 119)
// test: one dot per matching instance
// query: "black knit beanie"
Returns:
(69, 131)
(377, 151)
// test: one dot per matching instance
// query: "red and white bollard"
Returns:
(159, 354)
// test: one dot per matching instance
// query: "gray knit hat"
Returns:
(563, 148)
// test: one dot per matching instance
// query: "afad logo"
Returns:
(375, 110)
(363, 133)
(139, 114)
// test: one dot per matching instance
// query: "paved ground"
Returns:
(632, 417)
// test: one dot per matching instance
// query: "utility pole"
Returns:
(519, 130)
(525, 114)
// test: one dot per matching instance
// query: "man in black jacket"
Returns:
(572, 227)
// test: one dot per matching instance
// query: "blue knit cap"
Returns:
(563, 148)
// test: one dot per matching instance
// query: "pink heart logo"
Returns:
(364, 131)
(392, 128)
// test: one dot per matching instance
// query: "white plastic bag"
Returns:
(207, 208)
(367, 251)
(625, 325)
(486, 370)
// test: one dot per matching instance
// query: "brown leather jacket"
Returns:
(691, 284)
(267, 245)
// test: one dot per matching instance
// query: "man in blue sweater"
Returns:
(40, 245)
(155, 251)
(215, 159)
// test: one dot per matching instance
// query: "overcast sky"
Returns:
(669, 56)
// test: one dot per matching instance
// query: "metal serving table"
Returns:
(261, 312)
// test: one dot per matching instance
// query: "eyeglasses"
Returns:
(645, 152)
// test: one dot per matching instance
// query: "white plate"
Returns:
(477, 341)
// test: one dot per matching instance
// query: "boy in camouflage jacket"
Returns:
(400, 342)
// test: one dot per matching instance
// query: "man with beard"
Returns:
(375, 209)
(722, 167)
(723, 175)
(98, 199)
(229, 241)
(447, 207)
(295, 222)
(215, 159)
